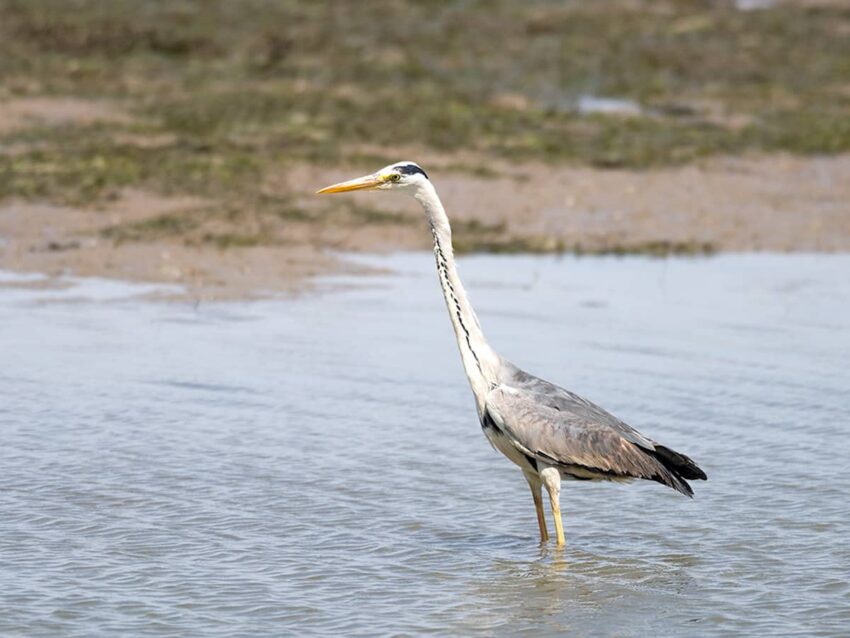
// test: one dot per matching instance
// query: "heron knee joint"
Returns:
(551, 478)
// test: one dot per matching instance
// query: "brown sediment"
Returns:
(60, 241)
(772, 203)
(767, 203)
(151, 145)
(22, 113)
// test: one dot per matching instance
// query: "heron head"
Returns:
(398, 176)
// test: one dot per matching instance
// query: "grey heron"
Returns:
(549, 432)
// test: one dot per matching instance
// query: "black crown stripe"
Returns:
(411, 169)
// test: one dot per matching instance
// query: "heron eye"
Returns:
(395, 177)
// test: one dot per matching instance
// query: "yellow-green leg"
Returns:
(551, 478)
(535, 484)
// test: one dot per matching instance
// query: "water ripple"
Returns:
(315, 467)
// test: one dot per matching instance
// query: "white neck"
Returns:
(480, 362)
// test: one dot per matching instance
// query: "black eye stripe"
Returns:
(411, 169)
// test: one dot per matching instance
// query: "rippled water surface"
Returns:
(315, 466)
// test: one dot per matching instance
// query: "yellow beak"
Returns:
(361, 183)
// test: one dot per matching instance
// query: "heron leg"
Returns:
(552, 482)
(535, 484)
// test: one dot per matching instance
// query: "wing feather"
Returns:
(567, 431)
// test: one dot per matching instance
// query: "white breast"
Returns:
(503, 444)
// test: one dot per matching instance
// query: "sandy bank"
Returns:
(775, 203)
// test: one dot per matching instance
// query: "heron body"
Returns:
(549, 432)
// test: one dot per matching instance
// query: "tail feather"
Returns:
(679, 464)
(674, 469)
(671, 479)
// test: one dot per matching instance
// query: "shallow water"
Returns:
(315, 465)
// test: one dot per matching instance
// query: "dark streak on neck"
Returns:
(442, 269)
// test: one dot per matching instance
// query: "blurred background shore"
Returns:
(182, 141)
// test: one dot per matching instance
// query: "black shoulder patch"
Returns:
(487, 422)
(411, 169)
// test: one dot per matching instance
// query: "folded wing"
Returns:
(559, 428)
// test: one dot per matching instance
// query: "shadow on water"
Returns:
(520, 586)
(574, 590)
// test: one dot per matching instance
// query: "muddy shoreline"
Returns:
(773, 203)
(183, 142)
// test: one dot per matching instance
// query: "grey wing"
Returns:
(551, 395)
(583, 440)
